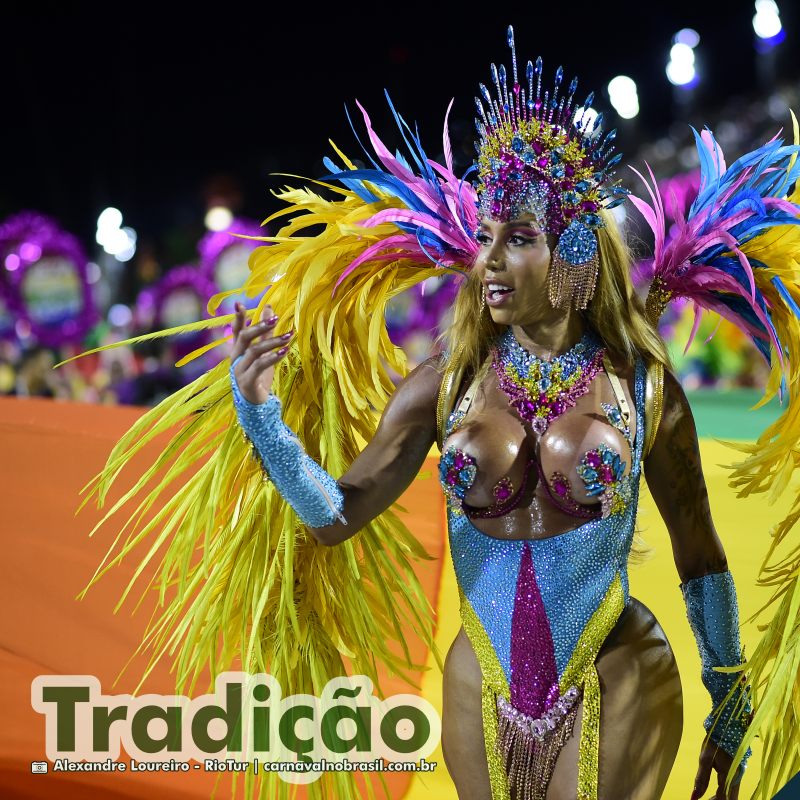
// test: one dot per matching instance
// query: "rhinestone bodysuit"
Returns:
(536, 612)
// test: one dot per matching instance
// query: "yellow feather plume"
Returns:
(238, 575)
(773, 670)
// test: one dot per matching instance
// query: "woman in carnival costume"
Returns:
(552, 392)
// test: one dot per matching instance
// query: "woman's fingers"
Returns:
(704, 770)
(238, 321)
(733, 793)
(269, 359)
(246, 334)
(255, 351)
(266, 313)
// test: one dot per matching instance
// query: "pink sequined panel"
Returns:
(534, 677)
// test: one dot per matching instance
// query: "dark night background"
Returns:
(160, 110)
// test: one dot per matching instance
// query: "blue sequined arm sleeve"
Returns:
(714, 618)
(305, 485)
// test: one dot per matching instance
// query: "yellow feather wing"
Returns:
(773, 669)
(238, 575)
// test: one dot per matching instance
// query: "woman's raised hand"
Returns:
(259, 353)
(713, 756)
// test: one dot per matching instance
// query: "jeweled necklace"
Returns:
(541, 391)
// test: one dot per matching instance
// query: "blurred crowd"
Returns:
(48, 283)
(143, 374)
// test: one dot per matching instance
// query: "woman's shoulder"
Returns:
(430, 371)
(418, 392)
(626, 371)
(641, 366)
(675, 399)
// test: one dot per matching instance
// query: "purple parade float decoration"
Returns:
(7, 329)
(44, 279)
(224, 260)
(179, 297)
(183, 293)
(420, 311)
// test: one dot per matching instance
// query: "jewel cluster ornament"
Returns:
(457, 471)
(614, 416)
(537, 155)
(549, 721)
(542, 390)
(573, 268)
(530, 746)
(602, 472)
(506, 497)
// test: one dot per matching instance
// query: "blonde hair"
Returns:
(615, 312)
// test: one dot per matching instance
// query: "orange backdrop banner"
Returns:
(50, 451)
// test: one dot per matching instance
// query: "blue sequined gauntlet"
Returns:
(714, 618)
(310, 491)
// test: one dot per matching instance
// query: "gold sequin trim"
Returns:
(653, 404)
(589, 746)
(581, 671)
(593, 635)
(447, 390)
(498, 780)
(657, 299)
(493, 683)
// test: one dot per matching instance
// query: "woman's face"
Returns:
(512, 264)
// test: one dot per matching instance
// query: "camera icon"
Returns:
(38, 766)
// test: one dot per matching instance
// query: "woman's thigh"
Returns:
(462, 722)
(641, 713)
(641, 716)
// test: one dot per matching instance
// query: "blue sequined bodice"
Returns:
(574, 569)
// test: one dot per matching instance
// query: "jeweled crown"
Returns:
(537, 155)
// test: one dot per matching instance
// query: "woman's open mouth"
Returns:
(497, 294)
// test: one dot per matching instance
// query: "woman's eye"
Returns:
(482, 238)
(517, 239)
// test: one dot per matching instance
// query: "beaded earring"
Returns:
(573, 268)
(483, 302)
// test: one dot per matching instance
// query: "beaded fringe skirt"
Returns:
(529, 747)
(522, 751)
